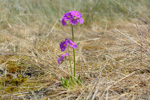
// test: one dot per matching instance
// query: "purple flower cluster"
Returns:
(73, 16)
(60, 60)
(63, 46)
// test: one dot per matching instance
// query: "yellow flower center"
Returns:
(67, 16)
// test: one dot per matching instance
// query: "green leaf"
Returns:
(64, 82)
(71, 79)
(79, 80)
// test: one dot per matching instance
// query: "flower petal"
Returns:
(81, 20)
(63, 45)
(63, 21)
(72, 44)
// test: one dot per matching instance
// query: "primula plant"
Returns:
(73, 17)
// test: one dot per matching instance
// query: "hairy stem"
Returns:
(74, 53)
(70, 62)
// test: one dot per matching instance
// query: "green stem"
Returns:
(74, 53)
(74, 62)
(70, 62)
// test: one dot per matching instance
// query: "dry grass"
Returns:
(113, 63)
(112, 59)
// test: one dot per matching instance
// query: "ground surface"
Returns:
(113, 62)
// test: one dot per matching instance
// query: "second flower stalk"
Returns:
(63, 46)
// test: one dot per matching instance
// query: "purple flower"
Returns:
(68, 16)
(63, 56)
(72, 44)
(74, 21)
(60, 60)
(73, 16)
(63, 45)
(76, 14)
(67, 54)
(63, 22)
(81, 20)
